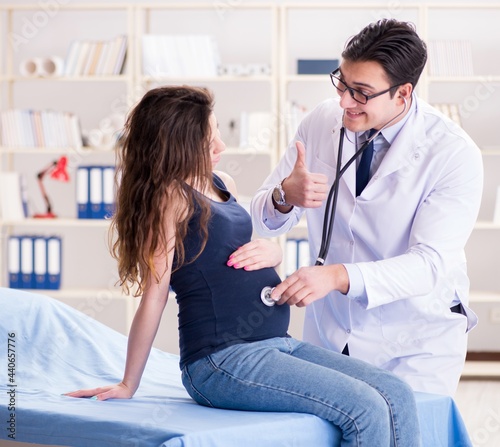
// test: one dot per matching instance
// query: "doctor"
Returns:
(393, 289)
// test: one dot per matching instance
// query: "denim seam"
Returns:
(195, 390)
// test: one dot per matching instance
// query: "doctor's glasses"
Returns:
(358, 96)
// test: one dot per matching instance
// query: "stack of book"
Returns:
(34, 262)
(96, 57)
(40, 128)
(256, 130)
(450, 58)
(180, 55)
(95, 191)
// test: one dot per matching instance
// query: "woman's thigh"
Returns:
(266, 376)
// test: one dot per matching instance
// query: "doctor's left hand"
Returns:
(309, 284)
(118, 391)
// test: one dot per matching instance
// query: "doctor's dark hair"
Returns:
(395, 45)
(163, 157)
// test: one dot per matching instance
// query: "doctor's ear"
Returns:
(405, 91)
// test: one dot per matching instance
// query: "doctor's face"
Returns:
(369, 78)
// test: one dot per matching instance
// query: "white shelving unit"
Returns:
(274, 33)
(229, 27)
(85, 284)
(95, 292)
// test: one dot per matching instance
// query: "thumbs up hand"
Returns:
(303, 188)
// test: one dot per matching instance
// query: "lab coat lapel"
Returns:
(404, 150)
(349, 177)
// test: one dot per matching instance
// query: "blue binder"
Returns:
(14, 262)
(108, 190)
(83, 192)
(54, 262)
(27, 254)
(40, 262)
(96, 192)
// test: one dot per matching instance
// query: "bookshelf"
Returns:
(32, 34)
(85, 240)
(239, 87)
(253, 68)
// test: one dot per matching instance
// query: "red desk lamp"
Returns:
(57, 171)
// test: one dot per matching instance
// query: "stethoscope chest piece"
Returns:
(265, 296)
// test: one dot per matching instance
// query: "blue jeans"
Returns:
(372, 407)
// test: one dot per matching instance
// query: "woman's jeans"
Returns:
(372, 407)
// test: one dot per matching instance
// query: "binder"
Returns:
(27, 276)
(96, 193)
(40, 262)
(54, 259)
(291, 256)
(11, 196)
(14, 262)
(303, 255)
(108, 190)
(82, 192)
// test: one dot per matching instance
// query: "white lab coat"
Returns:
(406, 232)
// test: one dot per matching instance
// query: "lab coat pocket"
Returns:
(469, 313)
(417, 325)
(320, 167)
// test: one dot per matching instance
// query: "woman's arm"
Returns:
(143, 331)
(142, 334)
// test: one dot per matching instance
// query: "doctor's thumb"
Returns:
(301, 155)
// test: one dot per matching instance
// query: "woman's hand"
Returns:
(256, 255)
(118, 391)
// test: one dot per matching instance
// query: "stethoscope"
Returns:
(331, 202)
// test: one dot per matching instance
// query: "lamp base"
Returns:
(44, 216)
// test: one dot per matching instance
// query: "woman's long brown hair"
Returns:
(165, 148)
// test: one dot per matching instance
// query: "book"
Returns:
(450, 58)
(256, 130)
(82, 192)
(108, 190)
(180, 55)
(54, 262)
(96, 193)
(12, 206)
(40, 262)
(27, 253)
(496, 212)
(14, 262)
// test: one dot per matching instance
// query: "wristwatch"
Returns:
(279, 194)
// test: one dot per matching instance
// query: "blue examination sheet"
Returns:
(48, 348)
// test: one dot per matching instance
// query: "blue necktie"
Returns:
(363, 172)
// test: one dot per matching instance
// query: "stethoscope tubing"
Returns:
(329, 216)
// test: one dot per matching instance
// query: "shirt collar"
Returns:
(391, 132)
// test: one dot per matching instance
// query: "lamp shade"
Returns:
(60, 172)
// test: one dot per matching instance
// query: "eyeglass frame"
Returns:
(352, 90)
